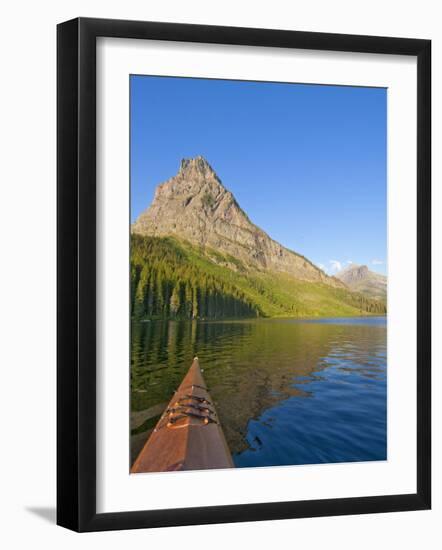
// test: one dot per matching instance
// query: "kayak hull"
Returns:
(188, 435)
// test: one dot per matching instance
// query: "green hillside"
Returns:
(173, 279)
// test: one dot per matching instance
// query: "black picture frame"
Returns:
(76, 273)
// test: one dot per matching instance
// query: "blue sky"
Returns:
(306, 162)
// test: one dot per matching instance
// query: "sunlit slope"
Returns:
(174, 279)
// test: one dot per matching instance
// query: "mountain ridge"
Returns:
(195, 205)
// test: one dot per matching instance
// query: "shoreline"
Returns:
(248, 319)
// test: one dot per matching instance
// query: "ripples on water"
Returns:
(287, 391)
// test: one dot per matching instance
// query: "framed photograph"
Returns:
(243, 274)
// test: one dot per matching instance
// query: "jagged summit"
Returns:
(195, 206)
(194, 176)
(197, 164)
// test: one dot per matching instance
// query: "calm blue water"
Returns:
(287, 391)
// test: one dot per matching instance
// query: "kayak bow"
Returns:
(188, 435)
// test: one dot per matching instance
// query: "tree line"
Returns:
(164, 283)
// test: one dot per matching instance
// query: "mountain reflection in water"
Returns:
(287, 391)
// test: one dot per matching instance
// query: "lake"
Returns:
(287, 391)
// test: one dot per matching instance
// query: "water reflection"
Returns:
(287, 392)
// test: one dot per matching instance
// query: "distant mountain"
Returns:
(360, 279)
(196, 254)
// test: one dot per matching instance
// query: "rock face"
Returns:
(195, 206)
(354, 273)
(360, 279)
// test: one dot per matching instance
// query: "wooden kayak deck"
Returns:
(188, 435)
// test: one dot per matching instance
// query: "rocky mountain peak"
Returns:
(195, 177)
(195, 206)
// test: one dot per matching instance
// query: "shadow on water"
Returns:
(287, 392)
